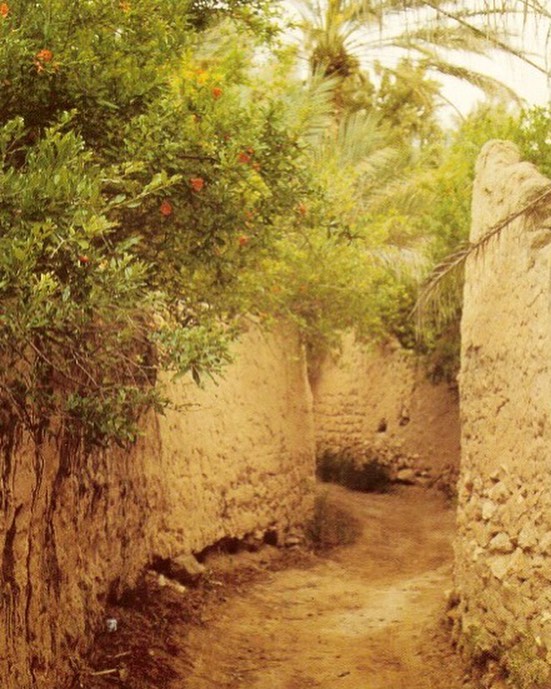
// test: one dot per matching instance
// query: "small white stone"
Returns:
(111, 624)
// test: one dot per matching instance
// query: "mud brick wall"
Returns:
(503, 551)
(243, 451)
(238, 460)
(379, 398)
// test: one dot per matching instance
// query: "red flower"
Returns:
(45, 55)
(166, 208)
(243, 240)
(244, 158)
(302, 209)
(216, 92)
(4, 10)
(197, 183)
(83, 260)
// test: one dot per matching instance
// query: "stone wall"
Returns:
(238, 461)
(379, 400)
(503, 563)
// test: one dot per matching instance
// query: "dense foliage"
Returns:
(164, 175)
(138, 182)
(442, 187)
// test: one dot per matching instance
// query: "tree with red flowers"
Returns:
(125, 201)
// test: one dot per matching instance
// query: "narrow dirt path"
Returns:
(365, 617)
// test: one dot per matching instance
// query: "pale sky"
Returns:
(529, 83)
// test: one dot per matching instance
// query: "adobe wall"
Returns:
(379, 399)
(503, 551)
(239, 460)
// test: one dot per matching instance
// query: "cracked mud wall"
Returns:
(503, 551)
(76, 529)
(244, 448)
(380, 399)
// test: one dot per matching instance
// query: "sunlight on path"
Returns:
(366, 617)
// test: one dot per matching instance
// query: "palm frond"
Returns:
(350, 140)
(535, 8)
(497, 42)
(359, 137)
(491, 87)
(448, 37)
(377, 168)
(439, 295)
(364, 12)
(310, 109)
(404, 191)
(409, 264)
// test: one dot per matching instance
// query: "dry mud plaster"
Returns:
(239, 460)
(503, 563)
(379, 400)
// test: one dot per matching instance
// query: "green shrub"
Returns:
(139, 182)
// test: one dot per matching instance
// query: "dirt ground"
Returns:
(363, 616)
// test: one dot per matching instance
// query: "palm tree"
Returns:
(401, 44)
(350, 39)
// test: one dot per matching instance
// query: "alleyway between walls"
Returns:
(368, 616)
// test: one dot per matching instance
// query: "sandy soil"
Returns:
(365, 616)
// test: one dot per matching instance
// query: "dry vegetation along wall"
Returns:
(238, 461)
(378, 400)
(504, 542)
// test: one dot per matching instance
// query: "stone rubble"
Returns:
(186, 570)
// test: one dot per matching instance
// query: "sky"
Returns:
(529, 83)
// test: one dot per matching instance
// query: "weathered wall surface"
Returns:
(74, 528)
(244, 449)
(378, 398)
(503, 566)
